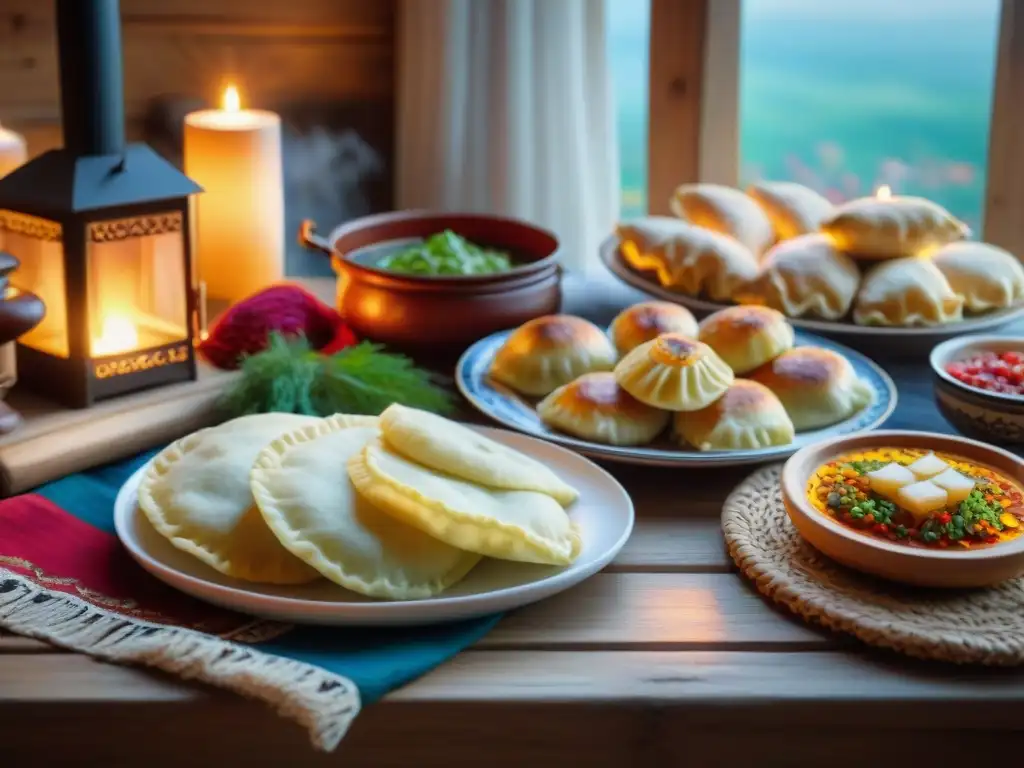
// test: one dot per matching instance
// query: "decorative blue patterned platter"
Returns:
(516, 412)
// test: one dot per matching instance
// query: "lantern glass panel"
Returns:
(136, 283)
(37, 244)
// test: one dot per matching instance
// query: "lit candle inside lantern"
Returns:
(12, 151)
(235, 155)
(117, 334)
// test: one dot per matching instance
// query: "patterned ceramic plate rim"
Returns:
(931, 334)
(507, 408)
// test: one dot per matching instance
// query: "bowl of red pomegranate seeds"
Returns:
(979, 386)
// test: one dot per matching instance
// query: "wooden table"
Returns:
(668, 657)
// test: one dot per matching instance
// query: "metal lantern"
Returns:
(101, 230)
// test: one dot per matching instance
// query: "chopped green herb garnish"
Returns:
(446, 253)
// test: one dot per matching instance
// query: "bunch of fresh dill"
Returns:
(291, 377)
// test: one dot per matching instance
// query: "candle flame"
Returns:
(231, 102)
(118, 334)
(884, 192)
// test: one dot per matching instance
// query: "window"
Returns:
(628, 28)
(847, 95)
(843, 96)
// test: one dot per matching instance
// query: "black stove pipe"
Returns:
(91, 76)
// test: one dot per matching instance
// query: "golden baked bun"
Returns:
(674, 373)
(747, 416)
(792, 208)
(746, 337)
(643, 322)
(547, 352)
(888, 228)
(724, 210)
(687, 258)
(805, 276)
(596, 408)
(986, 277)
(910, 291)
(817, 387)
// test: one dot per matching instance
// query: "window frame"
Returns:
(693, 125)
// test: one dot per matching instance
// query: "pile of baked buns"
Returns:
(733, 381)
(882, 260)
(399, 507)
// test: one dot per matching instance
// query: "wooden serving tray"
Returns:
(54, 441)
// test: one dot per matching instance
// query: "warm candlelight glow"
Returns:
(884, 192)
(117, 335)
(231, 101)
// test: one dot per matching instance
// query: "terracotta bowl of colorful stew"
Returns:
(915, 507)
(422, 280)
(979, 386)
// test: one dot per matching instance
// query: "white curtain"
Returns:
(505, 107)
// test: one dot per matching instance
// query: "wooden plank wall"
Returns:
(325, 65)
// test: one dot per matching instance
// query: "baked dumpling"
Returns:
(792, 208)
(747, 337)
(595, 407)
(316, 514)
(547, 352)
(462, 452)
(986, 277)
(674, 373)
(196, 493)
(818, 387)
(747, 416)
(910, 291)
(888, 228)
(725, 210)
(642, 322)
(805, 276)
(687, 258)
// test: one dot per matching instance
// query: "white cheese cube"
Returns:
(956, 485)
(922, 498)
(927, 466)
(889, 479)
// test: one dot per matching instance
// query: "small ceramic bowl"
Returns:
(433, 313)
(976, 413)
(956, 568)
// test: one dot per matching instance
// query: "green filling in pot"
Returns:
(446, 253)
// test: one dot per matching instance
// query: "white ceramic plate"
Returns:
(507, 407)
(603, 511)
(916, 338)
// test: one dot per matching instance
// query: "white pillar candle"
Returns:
(235, 155)
(12, 151)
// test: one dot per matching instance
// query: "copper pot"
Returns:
(451, 312)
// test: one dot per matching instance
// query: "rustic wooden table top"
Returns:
(668, 657)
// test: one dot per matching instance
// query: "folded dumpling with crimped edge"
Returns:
(310, 504)
(689, 259)
(906, 292)
(746, 337)
(196, 494)
(547, 352)
(891, 227)
(747, 416)
(509, 525)
(646, 320)
(674, 373)
(724, 210)
(792, 208)
(594, 407)
(450, 447)
(985, 276)
(805, 276)
(818, 387)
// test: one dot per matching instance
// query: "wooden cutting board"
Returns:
(54, 441)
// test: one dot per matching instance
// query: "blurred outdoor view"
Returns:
(841, 95)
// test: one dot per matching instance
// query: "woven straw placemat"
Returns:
(981, 626)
